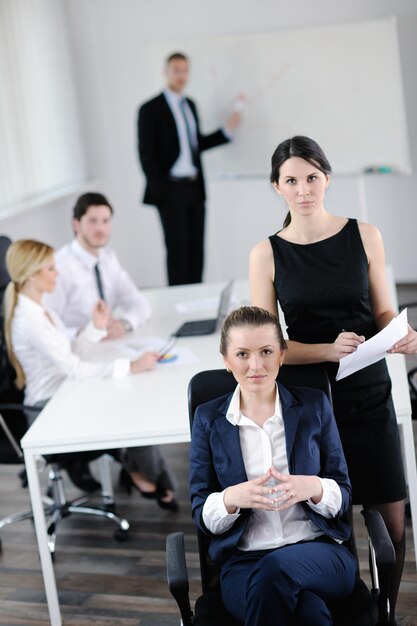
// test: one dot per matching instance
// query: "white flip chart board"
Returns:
(339, 84)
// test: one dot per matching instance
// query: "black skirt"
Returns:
(365, 416)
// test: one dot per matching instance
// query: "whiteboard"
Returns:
(340, 85)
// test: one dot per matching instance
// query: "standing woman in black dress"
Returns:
(328, 274)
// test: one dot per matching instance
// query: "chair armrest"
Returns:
(177, 575)
(381, 559)
(412, 380)
(381, 541)
(15, 407)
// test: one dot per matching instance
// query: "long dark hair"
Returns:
(304, 148)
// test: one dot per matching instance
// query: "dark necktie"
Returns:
(99, 282)
(191, 138)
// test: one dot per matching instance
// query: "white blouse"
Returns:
(46, 355)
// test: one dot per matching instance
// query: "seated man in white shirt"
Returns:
(88, 270)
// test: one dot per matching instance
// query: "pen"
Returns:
(166, 347)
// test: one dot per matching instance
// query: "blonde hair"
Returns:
(23, 259)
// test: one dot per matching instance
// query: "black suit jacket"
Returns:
(159, 146)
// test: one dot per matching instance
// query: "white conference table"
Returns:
(148, 408)
(151, 408)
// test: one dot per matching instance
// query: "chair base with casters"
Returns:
(361, 608)
(56, 506)
(61, 508)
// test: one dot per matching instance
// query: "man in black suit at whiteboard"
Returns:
(170, 144)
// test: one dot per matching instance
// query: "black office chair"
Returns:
(412, 373)
(13, 425)
(362, 608)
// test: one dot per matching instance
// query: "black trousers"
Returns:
(182, 216)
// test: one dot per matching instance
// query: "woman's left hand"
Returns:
(295, 488)
(406, 345)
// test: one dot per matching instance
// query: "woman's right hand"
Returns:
(345, 344)
(251, 494)
(101, 315)
(144, 363)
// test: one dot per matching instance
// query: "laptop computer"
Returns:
(208, 327)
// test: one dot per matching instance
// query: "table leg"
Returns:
(42, 539)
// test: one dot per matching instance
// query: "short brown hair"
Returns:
(176, 56)
(252, 316)
(92, 198)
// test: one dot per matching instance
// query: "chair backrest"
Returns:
(15, 421)
(4, 274)
(211, 384)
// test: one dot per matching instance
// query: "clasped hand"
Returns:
(253, 494)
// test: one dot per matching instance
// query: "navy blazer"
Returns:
(159, 146)
(313, 448)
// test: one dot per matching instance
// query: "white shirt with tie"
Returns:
(183, 166)
(76, 292)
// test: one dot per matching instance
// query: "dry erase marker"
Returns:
(239, 104)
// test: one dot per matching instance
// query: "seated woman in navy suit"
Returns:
(269, 484)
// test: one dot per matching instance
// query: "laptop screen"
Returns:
(224, 303)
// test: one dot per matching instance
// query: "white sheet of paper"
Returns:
(182, 356)
(135, 347)
(374, 349)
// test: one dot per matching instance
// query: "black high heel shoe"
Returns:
(126, 481)
(172, 505)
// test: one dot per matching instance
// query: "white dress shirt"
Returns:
(183, 166)
(45, 353)
(261, 448)
(76, 292)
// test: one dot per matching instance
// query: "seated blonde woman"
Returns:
(43, 357)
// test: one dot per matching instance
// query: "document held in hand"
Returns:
(374, 349)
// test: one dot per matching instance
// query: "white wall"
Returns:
(109, 39)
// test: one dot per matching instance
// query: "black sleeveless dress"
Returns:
(323, 288)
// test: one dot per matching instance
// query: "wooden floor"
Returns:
(105, 583)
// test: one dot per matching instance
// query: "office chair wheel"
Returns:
(23, 478)
(121, 535)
